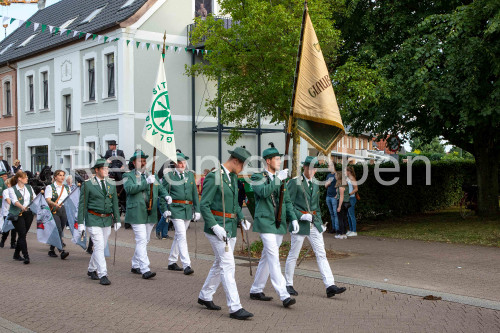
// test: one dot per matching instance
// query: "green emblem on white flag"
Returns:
(158, 129)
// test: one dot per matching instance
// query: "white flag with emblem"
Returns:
(158, 129)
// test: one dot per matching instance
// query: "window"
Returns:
(8, 155)
(45, 83)
(110, 58)
(92, 15)
(91, 69)
(27, 40)
(67, 23)
(31, 97)
(39, 158)
(8, 101)
(128, 3)
(91, 148)
(357, 143)
(67, 113)
(6, 48)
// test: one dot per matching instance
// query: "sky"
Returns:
(19, 11)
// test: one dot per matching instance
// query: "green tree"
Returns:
(425, 69)
(254, 60)
(433, 147)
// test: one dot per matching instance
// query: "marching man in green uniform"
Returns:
(138, 186)
(304, 194)
(97, 211)
(266, 186)
(184, 205)
(221, 212)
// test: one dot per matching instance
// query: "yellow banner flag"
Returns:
(315, 105)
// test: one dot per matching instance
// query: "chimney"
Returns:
(41, 4)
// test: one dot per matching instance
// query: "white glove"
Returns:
(196, 216)
(282, 174)
(295, 227)
(324, 228)
(219, 232)
(306, 217)
(245, 225)
(117, 226)
(168, 198)
(167, 213)
(81, 227)
(151, 179)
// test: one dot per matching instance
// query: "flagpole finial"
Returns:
(164, 44)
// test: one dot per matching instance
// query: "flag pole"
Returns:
(154, 149)
(288, 134)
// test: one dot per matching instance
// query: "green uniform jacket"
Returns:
(185, 191)
(211, 199)
(138, 199)
(92, 198)
(2, 186)
(264, 217)
(300, 194)
(14, 210)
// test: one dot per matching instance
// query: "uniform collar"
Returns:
(271, 175)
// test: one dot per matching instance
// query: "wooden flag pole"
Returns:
(290, 117)
(154, 150)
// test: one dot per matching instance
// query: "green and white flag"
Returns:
(158, 129)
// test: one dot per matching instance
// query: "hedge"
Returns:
(379, 201)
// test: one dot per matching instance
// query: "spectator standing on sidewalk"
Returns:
(342, 206)
(5, 211)
(353, 189)
(331, 198)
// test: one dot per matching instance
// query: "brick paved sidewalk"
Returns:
(51, 295)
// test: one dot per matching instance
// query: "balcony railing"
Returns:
(226, 21)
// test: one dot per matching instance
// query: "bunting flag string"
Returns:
(144, 45)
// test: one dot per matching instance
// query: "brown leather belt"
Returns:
(313, 212)
(97, 214)
(185, 202)
(228, 215)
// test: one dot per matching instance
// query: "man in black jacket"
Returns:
(116, 159)
(4, 165)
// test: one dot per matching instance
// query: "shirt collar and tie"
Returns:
(309, 182)
(271, 175)
(180, 174)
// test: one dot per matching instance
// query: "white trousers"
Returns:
(222, 271)
(179, 245)
(142, 235)
(99, 237)
(318, 246)
(269, 264)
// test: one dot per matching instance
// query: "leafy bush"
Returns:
(379, 201)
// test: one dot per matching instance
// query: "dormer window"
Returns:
(92, 15)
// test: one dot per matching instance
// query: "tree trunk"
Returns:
(296, 150)
(487, 159)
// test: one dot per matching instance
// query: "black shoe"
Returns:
(2, 243)
(148, 275)
(135, 270)
(188, 270)
(63, 244)
(93, 275)
(105, 281)
(209, 304)
(167, 237)
(26, 260)
(64, 255)
(158, 235)
(334, 290)
(17, 257)
(260, 297)
(241, 314)
(174, 267)
(292, 291)
(289, 301)
(52, 254)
